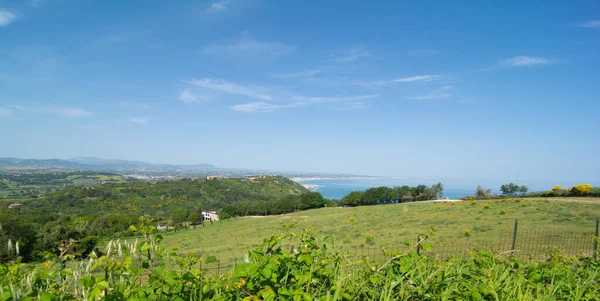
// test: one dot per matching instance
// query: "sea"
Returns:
(338, 188)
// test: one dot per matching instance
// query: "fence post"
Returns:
(292, 250)
(418, 245)
(514, 242)
(596, 238)
(218, 267)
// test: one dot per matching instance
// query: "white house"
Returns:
(210, 216)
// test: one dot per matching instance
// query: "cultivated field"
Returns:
(389, 226)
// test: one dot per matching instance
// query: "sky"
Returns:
(459, 90)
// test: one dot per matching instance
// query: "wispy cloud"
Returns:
(426, 78)
(440, 93)
(352, 106)
(257, 107)
(522, 61)
(187, 97)
(59, 110)
(590, 24)
(307, 73)
(424, 52)
(344, 102)
(231, 88)
(326, 99)
(6, 17)
(5, 112)
(249, 45)
(71, 112)
(135, 104)
(351, 55)
(139, 120)
(218, 6)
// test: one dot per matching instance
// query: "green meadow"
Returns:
(390, 226)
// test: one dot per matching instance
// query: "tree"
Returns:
(352, 199)
(438, 190)
(15, 229)
(482, 193)
(523, 190)
(510, 189)
(178, 217)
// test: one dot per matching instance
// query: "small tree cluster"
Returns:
(512, 189)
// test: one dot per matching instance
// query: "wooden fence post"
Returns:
(514, 241)
(418, 245)
(596, 238)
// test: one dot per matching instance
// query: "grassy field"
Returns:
(26, 185)
(390, 226)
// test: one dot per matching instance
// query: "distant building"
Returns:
(211, 177)
(210, 216)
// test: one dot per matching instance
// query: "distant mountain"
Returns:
(139, 169)
(58, 163)
(97, 164)
(93, 161)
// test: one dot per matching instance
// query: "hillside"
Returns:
(389, 226)
(159, 199)
(24, 185)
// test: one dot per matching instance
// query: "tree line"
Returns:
(391, 195)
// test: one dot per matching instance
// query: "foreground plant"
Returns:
(312, 270)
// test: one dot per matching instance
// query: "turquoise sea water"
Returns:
(336, 189)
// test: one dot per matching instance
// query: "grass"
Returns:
(392, 225)
(16, 189)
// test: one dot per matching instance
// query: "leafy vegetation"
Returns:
(33, 185)
(580, 190)
(314, 270)
(91, 212)
(387, 195)
(512, 189)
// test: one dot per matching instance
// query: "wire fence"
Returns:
(525, 245)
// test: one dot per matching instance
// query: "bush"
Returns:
(502, 211)
(487, 206)
(581, 189)
(370, 238)
(473, 203)
(351, 219)
(467, 232)
(557, 188)
(87, 245)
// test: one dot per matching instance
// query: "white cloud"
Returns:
(256, 107)
(190, 98)
(348, 102)
(352, 55)
(218, 6)
(327, 99)
(136, 104)
(412, 79)
(6, 17)
(231, 88)
(307, 73)
(250, 46)
(139, 120)
(71, 112)
(590, 24)
(441, 93)
(5, 112)
(521, 61)
(60, 110)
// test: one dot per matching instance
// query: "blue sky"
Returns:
(445, 90)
